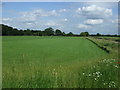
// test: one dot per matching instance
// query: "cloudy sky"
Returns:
(94, 17)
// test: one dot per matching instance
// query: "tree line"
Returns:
(10, 31)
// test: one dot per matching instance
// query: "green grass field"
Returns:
(56, 62)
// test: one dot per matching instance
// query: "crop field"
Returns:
(58, 62)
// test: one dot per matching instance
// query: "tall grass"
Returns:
(56, 62)
(0, 62)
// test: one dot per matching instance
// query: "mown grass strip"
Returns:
(103, 48)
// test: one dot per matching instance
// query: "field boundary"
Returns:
(103, 48)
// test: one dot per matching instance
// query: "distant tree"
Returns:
(49, 32)
(40, 33)
(58, 33)
(36, 32)
(70, 34)
(84, 34)
(9, 31)
(27, 32)
(98, 34)
(63, 33)
(21, 32)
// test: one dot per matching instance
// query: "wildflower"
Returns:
(95, 79)
(104, 60)
(113, 59)
(89, 75)
(93, 74)
(116, 66)
(93, 66)
(110, 62)
(56, 73)
(83, 73)
(98, 72)
(104, 83)
(54, 69)
(98, 75)
(112, 84)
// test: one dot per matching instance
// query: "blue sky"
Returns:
(76, 17)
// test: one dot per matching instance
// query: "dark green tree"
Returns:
(84, 34)
(70, 34)
(27, 32)
(58, 33)
(98, 34)
(49, 32)
(63, 33)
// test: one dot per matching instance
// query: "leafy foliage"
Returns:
(10, 31)
(84, 34)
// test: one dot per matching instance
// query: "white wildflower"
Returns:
(83, 73)
(98, 75)
(94, 66)
(89, 75)
(54, 69)
(116, 66)
(104, 83)
(95, 79)
(112, 84)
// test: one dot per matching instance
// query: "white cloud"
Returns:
(88, 17)
(50, 24)
(94, 21)
(83, 26)
(78, 10)
(94, 12)
(39, 12)
(29, 24)
(115, 20)
(28, 17)
(53, 13)
(65, 20)
(103, 4)
(31, 16)
(62, 10)
(6, 19)
(60, 0)
(35, 14)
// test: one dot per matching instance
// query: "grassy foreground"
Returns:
(0, 62)
(57, 62)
